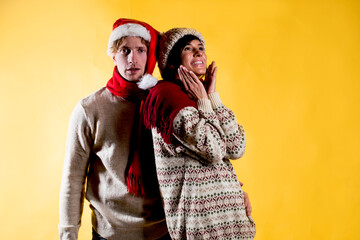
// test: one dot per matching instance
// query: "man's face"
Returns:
(131, 58)
(193, 57)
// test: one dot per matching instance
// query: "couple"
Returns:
(135, 178)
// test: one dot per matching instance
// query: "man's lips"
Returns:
(133, 70)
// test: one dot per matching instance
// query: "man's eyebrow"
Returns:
(126, 46)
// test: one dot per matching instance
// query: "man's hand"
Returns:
(247, 203)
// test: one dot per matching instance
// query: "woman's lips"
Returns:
(197, 62)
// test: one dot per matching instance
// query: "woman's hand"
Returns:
(210, 78)
(193, 86)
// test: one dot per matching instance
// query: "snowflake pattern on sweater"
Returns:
(202, 196)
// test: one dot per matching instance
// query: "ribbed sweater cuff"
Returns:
(68, 232)
(215, 100)
(204, 104)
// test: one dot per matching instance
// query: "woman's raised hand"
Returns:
(210, 78)
(193, 86)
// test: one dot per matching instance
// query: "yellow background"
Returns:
(290, 70)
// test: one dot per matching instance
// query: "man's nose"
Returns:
(131, 57)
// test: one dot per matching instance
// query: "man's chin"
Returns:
(133, 78)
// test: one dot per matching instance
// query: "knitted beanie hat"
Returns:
(133, 28)
(169, 39)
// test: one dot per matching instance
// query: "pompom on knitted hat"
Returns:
(169, 39)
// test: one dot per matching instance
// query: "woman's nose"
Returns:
(198, 53)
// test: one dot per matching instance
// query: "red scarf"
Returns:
(140, 172)
(125, 89)
(162, 105)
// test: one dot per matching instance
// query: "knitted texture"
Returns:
(163, 104)
(202, 196)
(96, 160)
(169, 39)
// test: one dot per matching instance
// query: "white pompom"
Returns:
(147, 81)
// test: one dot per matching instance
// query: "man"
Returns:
(110, 151)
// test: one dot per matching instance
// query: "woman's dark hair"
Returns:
(174, 59)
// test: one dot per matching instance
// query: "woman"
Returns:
(194, 137)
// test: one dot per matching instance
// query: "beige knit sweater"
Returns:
(96, 157)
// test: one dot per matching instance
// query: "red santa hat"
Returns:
(124, 27)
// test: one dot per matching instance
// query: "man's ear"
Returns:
(113, 58)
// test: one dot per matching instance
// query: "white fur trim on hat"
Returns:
(147, 81)
(127, 30)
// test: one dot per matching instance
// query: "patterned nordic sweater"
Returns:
(202, 196)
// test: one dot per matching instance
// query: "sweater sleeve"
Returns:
(200, 134)
(234, 132)
(76, 162)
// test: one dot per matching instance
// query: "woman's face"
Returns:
(193, 57)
